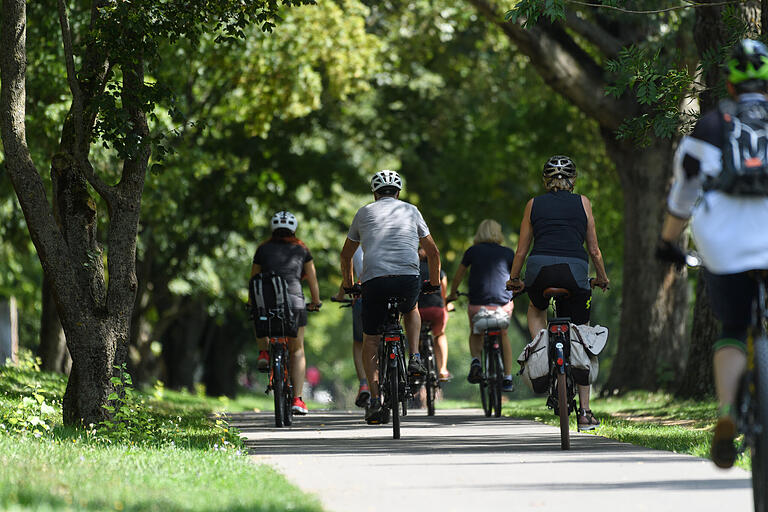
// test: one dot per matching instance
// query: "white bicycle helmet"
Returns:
(284, 219)
(386, 178)
(559, 167)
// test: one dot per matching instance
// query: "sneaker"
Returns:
(723, 450)
(375, 413)
(507, 385)
(299, 407)
(363, 396)
(262, 364)
(416, 368)
(475, 372)
(587, 420)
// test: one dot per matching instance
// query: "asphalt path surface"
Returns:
(459, 460)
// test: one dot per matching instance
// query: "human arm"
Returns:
(347, 277)
(444, 291)
(255, 269)
(458, 277)
(433, 259)
(314, 288)
(601, 281)
(523, 246)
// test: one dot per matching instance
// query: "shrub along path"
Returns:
(460, 460)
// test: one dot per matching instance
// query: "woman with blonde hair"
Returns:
(489, 263)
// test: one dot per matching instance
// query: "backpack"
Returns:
(271, 306)
(744, 150)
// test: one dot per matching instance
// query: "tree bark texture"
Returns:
(94, 315)
(651, 343)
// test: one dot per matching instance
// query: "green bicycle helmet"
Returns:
(748, 65)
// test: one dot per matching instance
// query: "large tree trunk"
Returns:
(52, 350)
(652, 337)
(698, 380)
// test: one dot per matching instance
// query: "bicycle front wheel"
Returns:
(562, 409)
(760, 446)
(278, 383)
(395, 401)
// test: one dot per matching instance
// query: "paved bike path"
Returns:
(461, 461)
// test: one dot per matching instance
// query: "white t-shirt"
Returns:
(389, 231)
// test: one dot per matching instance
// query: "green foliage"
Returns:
(529, 11)
(28, 406)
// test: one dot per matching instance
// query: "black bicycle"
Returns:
(752, 401)
(431, 380)
(393, 377)
(280, 381)
(492, 376)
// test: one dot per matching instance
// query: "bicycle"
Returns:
(492, 364)
(752, 399)
(431, 380)
(393, 377)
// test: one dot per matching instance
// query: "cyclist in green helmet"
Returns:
(721, 182)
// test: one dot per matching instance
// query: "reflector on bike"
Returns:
(494, 333)
(391, 338)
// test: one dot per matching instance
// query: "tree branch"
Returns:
(78, 108)
(565, 67)
(592, 32)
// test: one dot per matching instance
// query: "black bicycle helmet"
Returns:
(559, 167)
(747, 67)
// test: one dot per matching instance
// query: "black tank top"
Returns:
(559, 225)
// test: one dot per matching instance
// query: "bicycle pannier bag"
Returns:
(490, 319)
(744, 150)
(271, 306)
(534, 363)
(585, 345)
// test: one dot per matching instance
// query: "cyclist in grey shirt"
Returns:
(389, 230)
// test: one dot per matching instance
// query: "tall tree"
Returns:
(115, 48)
(569, 52)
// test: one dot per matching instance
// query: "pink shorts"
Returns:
(435, 315)
(472, 309)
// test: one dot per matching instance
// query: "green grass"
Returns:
(652, 420)
(195, 462)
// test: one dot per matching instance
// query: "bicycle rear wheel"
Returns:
(431, 381)
(394, 399)
(278, 380)
(288, 404)
(485, 388)
(496, 383)
(562, 409)
(760, 446)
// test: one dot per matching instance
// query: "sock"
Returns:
(508, 377)
(474, 359)
(363, 382)
(416, 356)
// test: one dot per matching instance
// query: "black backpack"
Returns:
(744, 150)
(271, 306)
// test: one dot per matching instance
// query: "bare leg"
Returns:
(441, 353)
(475, 345)
(357, 356)
(262, 344)
(584, 396)
(729, 365)
(298, 361)
(371, 362)
(537, 320)
(506, 352)
(412, 321)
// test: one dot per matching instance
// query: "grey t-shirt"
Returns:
(389, 231)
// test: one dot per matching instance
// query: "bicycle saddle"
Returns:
(556, 292)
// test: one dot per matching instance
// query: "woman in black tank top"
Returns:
(558, 223)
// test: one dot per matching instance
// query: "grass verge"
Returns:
(652, 420)
(185, 460)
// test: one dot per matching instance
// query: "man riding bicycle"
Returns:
(729, 220)
(390, 231)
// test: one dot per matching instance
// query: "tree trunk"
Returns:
(53, 344)
(698, 380)
(652, 338)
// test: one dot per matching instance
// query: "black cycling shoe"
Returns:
(475, 372)
(416, 370)
(375, 413)
(723, 443)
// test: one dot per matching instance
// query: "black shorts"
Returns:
(559, 275)
(731, 297)
(375, 295)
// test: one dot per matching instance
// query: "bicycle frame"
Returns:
(492, 380)
(392, 367)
